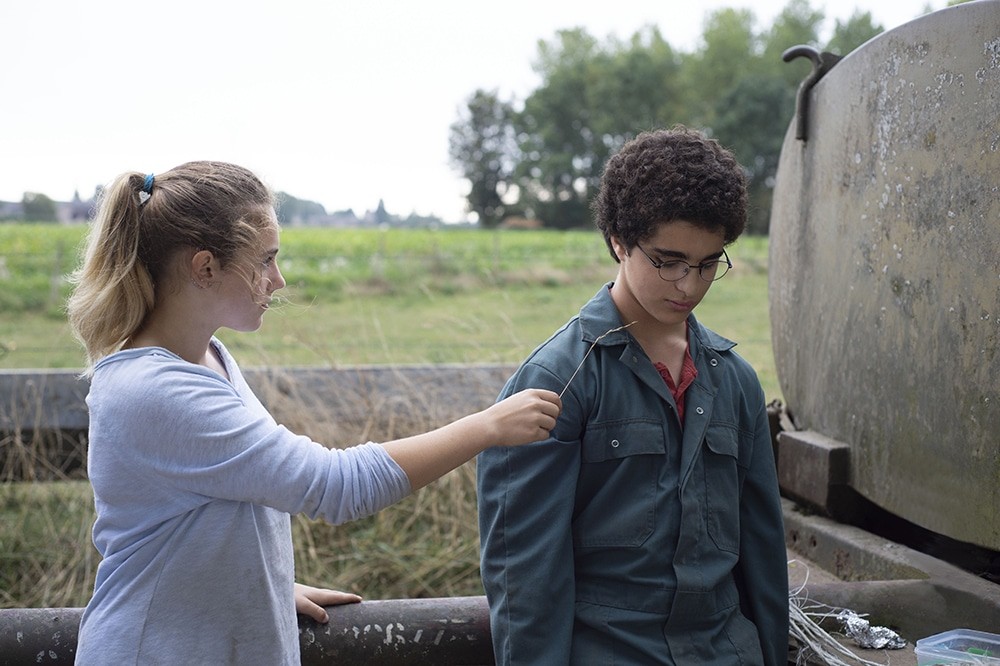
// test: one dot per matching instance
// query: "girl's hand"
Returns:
(525, 417)
(309, 601)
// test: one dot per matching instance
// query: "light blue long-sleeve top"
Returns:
(194, 483)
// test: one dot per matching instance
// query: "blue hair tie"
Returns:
(147, 185)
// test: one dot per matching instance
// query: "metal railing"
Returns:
(441, 631)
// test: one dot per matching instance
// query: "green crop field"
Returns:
(366, 296)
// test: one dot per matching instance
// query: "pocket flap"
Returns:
(722, 440)
(620, 439)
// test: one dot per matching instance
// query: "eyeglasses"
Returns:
(673, 270)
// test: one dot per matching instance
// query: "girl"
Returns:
(194, 482)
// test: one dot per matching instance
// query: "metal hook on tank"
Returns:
(822, 63)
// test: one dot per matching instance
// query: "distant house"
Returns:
(77, 211)
(341, 219)
(81, 210)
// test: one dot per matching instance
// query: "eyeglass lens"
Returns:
(672, 271)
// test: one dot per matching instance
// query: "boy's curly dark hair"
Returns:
(670, 175)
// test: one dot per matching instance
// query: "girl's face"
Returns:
(639, 291)
(247, 285)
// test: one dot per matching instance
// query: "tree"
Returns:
(482, 148)
(797, 24)
(632, 86)
(750, 113)
(38, 207)
(554, 133)
(729, 52)
(857, 30)
(592, 99)
(751, 120)
(595, 96)
(297, 211)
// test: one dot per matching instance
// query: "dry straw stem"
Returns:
(599, 338)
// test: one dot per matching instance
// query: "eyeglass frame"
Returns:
(723, 259)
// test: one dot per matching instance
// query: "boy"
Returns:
(647, 528)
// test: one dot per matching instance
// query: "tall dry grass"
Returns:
(428, 544)
(424, 546)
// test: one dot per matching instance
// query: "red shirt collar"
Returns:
(688, 374)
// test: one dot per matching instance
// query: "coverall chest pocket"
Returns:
(616, 491)
(722, 486)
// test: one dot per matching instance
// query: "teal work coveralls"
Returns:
(625, 538)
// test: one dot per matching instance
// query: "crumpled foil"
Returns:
(861, 632)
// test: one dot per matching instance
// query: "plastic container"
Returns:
(959, 647)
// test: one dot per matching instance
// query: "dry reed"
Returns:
(424, 546)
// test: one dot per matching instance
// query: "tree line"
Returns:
(541, 157)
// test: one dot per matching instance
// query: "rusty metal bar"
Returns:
(443, 631)
(38, 635)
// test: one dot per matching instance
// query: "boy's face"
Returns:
(639, 291)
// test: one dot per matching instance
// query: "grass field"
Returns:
(354, 297)
(388, 297)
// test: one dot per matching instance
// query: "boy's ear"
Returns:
(620, 250)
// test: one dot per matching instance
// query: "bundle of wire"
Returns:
(815, 643)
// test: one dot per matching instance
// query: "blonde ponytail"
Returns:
(141, 223)
(113, 290)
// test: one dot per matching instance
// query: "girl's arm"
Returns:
(522, 418)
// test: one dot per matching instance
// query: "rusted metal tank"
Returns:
(885, 268)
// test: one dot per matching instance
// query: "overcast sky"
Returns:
(343, 103)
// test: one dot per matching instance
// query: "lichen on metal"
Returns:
(885, 269)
